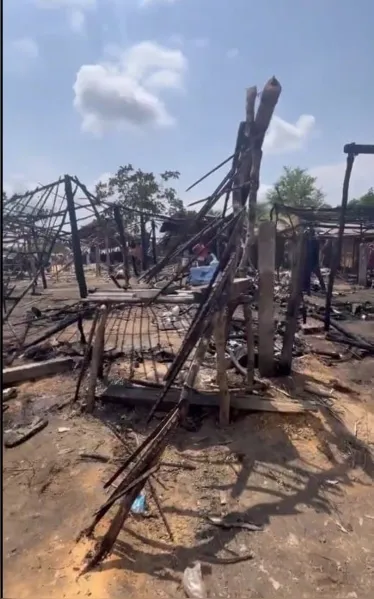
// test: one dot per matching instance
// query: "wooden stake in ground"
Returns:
(86, 356)
(97, 357)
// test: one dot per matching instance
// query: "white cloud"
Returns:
(75, 9)
(286, 137)
(125, 90)
(232, 53)
(330, 178)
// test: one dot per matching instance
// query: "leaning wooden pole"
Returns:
(338, 248)
(77, 252)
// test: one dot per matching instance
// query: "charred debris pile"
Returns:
(249, 316)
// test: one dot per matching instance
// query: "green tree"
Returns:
(366, 200)
(142, 191)
(296, 187)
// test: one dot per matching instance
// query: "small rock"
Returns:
(63, 429)
(293, 540)
(275, 583)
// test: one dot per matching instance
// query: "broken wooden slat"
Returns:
(121, 298)
(128, 395)
(16, 437)
(27, 372)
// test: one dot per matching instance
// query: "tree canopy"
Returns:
(142, 191)
(296, 187)
(366, 200)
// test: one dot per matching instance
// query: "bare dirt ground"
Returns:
(306, 478)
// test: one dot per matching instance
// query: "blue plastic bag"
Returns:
(139, 505)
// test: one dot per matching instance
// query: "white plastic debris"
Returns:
(193, 582)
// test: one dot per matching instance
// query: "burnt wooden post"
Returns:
(123, 242)
(143, 234)
(154, 248)
(98, 260)
(107, 256)
(249, 179)
(338, 248)
(266, 266)
(97, 356)
(362, 265)
(77, 252)
(33, 271)
(40, 258)
(294, 301)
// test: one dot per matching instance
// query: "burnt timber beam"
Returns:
(357, 149)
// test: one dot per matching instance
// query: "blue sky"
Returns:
(93, 84)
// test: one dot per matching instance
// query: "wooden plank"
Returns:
(240, 286)
(133, 395)
(37, 370)
(362, 265)
(266, 266)
(114, 298)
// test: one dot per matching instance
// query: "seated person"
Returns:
(202, 253)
